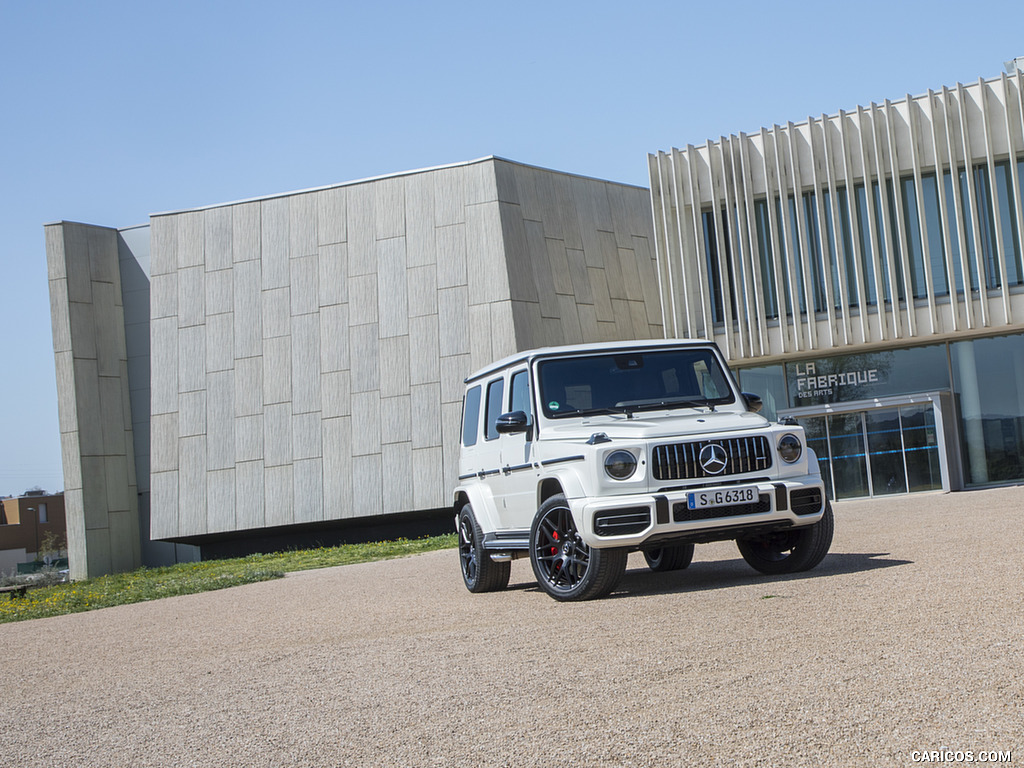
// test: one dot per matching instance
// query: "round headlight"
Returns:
(790, 448)
(620, 464)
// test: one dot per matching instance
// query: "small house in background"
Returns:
(32, 528)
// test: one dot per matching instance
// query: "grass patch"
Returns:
(190, 578)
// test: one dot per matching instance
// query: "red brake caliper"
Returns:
(554, 550)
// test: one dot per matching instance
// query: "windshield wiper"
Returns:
(629, 407)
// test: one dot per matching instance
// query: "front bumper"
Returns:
(630, 521)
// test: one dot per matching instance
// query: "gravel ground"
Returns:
(907, 637)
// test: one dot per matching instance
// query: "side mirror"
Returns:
(753, 402)
(512, 423)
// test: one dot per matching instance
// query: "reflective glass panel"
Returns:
(885, 451)
(921, 447)
(849, 461)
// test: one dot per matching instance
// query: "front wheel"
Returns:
(565, 567)
(791, 551)
(479, 572)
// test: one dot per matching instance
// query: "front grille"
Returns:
(681, 513)
(806, 501)
(620, 522)
(681, 461)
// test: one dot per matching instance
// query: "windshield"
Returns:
(632, 381)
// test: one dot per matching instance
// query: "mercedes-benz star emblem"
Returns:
(713, 458)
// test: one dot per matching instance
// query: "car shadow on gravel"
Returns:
(723, 574)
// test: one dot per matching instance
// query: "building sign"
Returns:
(810, 383)
(838, 379)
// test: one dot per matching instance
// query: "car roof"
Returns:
(572, 349)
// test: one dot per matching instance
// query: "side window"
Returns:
(471, 416)
(521, 392)
(495, 399)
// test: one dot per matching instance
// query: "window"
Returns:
(471, 416)
(495, 395)
(520, 400)
(42, 514)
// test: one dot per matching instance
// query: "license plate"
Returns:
(722, 497)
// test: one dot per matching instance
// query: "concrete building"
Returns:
(294, 364)
(864, 271)
(28, 524)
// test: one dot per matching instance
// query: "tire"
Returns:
(479, 572)
(673, 557)
(792, 551)
(565, 567)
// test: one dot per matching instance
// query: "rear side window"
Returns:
(495, 393)
(471, 416)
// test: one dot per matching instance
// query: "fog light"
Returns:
(620, 464)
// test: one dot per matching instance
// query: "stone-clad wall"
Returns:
(97, 442)
(308, 350)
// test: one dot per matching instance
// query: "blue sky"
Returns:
(110, 111)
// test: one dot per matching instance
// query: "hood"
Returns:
(653, 425)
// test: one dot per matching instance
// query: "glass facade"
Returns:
(878, 451)
(919, 238)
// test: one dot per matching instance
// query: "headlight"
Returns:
(790, 448)
(620, 464)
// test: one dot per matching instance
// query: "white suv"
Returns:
(576, 456)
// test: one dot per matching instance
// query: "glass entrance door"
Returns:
(876, 451)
